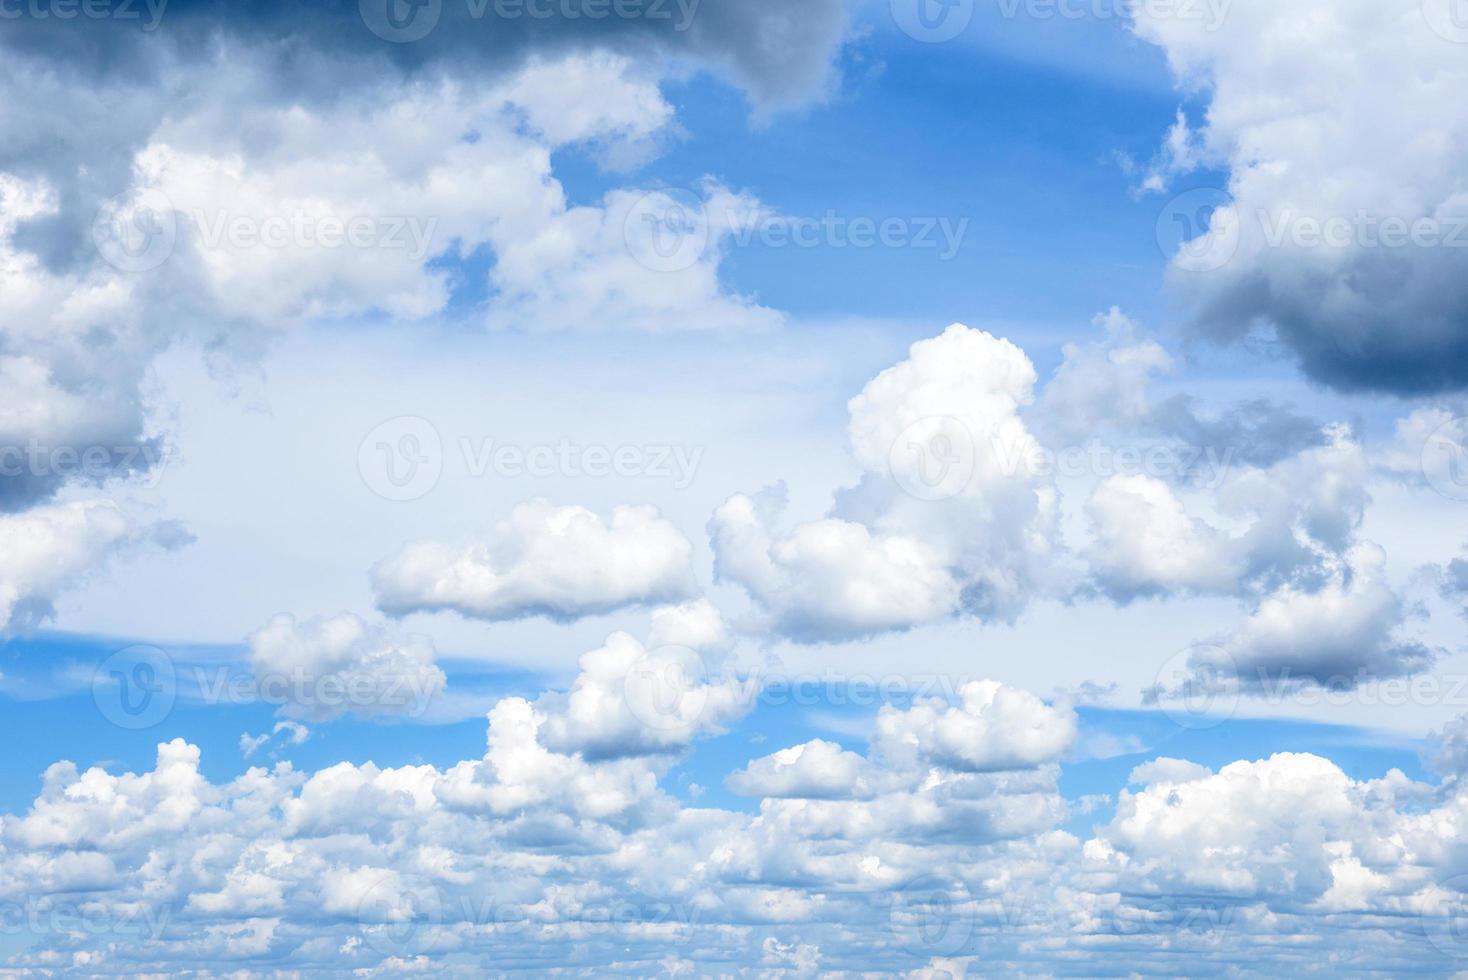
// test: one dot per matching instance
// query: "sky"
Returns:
(780, 488)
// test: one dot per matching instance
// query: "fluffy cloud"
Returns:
(629, 700)
(1269, 524)
(949, 518)
(73, 351)
(201, 48)
(1291, 830)
(830, 578)
(1348, 211)
(1344, 633)
(325, 667)
(543, 560)
(221, 229)
(1146, 543)
(814, 770)
(358, 867)
(993, 728)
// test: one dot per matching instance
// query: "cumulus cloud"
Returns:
(1285, 523)
(949, 518)
(830, 578)
(1345, 633)
(359, 867)
(209, 47)
(560, 562)
(1348, 215)
(993, 728)
(325, 667)
(814, 770)
(629, 700)
(1290, 830)
(1145, 542)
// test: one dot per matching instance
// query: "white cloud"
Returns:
(543, 560)
(815, 770)
(950, 516)
(831, 578)
(993, 728)
(1146, 543)
(358, 867)
(1327, 116)
(1348, 631)
(631, 700)
(1290, 830)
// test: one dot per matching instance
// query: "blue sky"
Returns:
(474, 502)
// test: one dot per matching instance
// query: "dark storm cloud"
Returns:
(1393, 321)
